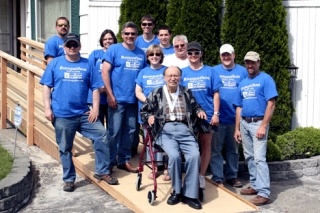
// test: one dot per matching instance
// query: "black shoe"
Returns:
(174, 199)
(68, 187)
(192, 202)
(201, 194)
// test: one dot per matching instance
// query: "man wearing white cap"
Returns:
(255, 103)
(230, 74)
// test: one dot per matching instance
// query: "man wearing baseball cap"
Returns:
(66, 83)
(255, 103)
(231, 74)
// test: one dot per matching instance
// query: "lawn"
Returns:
(6, 163)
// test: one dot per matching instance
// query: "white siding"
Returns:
(303, 18)
(95, 17)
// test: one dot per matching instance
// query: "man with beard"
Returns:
(54, 45)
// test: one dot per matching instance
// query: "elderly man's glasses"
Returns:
(194, 52)
(179, 45)
(72, 44)
(155, 54)
(173, 76)
(129, 33)
(147, 24)
(63, 25)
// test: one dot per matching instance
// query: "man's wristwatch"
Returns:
(216, 113)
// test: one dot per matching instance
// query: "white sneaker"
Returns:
(202, 182)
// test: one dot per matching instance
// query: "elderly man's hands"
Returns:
(151, 120)
(202, 115)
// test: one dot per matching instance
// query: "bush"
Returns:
(6, 163)
(273, 152)
(302, 142)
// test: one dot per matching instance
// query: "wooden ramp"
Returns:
(217, 199)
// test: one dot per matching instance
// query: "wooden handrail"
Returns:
(21, 64)
(32, 43)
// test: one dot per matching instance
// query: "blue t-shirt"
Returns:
(142, 44)
(203, 83)
(168, 50)
(54, 47)
(96, 58)
(230, 81)
(126, 65)
(70, 82)
(254, 93)
(149, 79)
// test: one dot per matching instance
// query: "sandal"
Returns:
(166, 176)
(150, 176)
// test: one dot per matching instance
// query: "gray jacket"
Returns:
(156, 103)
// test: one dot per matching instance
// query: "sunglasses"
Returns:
(179, 45)
(128, 33)
(157, 54)
(63, 25)
(194, 52)
(71, 44)
(147, 24)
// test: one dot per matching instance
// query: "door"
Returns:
(6, 26)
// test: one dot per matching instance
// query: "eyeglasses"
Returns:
(194, 52)
(173, 76)
(147, 24)
(72, 44)
(63, 25)
(179, 45)
(128, 33)
(157, 54)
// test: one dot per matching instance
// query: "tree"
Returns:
(134, 10)
(261, 26)
(199, 21)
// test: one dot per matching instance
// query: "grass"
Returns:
(6, 163)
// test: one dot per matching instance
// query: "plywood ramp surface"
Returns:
(217, 199)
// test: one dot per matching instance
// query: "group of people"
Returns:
(195, 110)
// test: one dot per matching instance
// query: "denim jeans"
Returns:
(224, 137)
(255, 151)
(121, 128)
(176, 138)
(66, 128)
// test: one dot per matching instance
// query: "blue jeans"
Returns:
(66, 128)
(224, 137)
(121, 128)
(255, 151)
(176, 138)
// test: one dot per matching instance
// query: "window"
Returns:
(47, 11)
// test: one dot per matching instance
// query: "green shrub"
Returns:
(6, 163)
(302, 142)
(273, 152)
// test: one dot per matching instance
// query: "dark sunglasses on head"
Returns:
(179, 45)
(128, 33)
(71, 44)
(63, 25)
(194, 52)
(157, 54)
(147, 24)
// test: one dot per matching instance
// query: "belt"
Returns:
(252, 119)
(176, 121)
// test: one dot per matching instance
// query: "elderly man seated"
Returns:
(171, 111)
